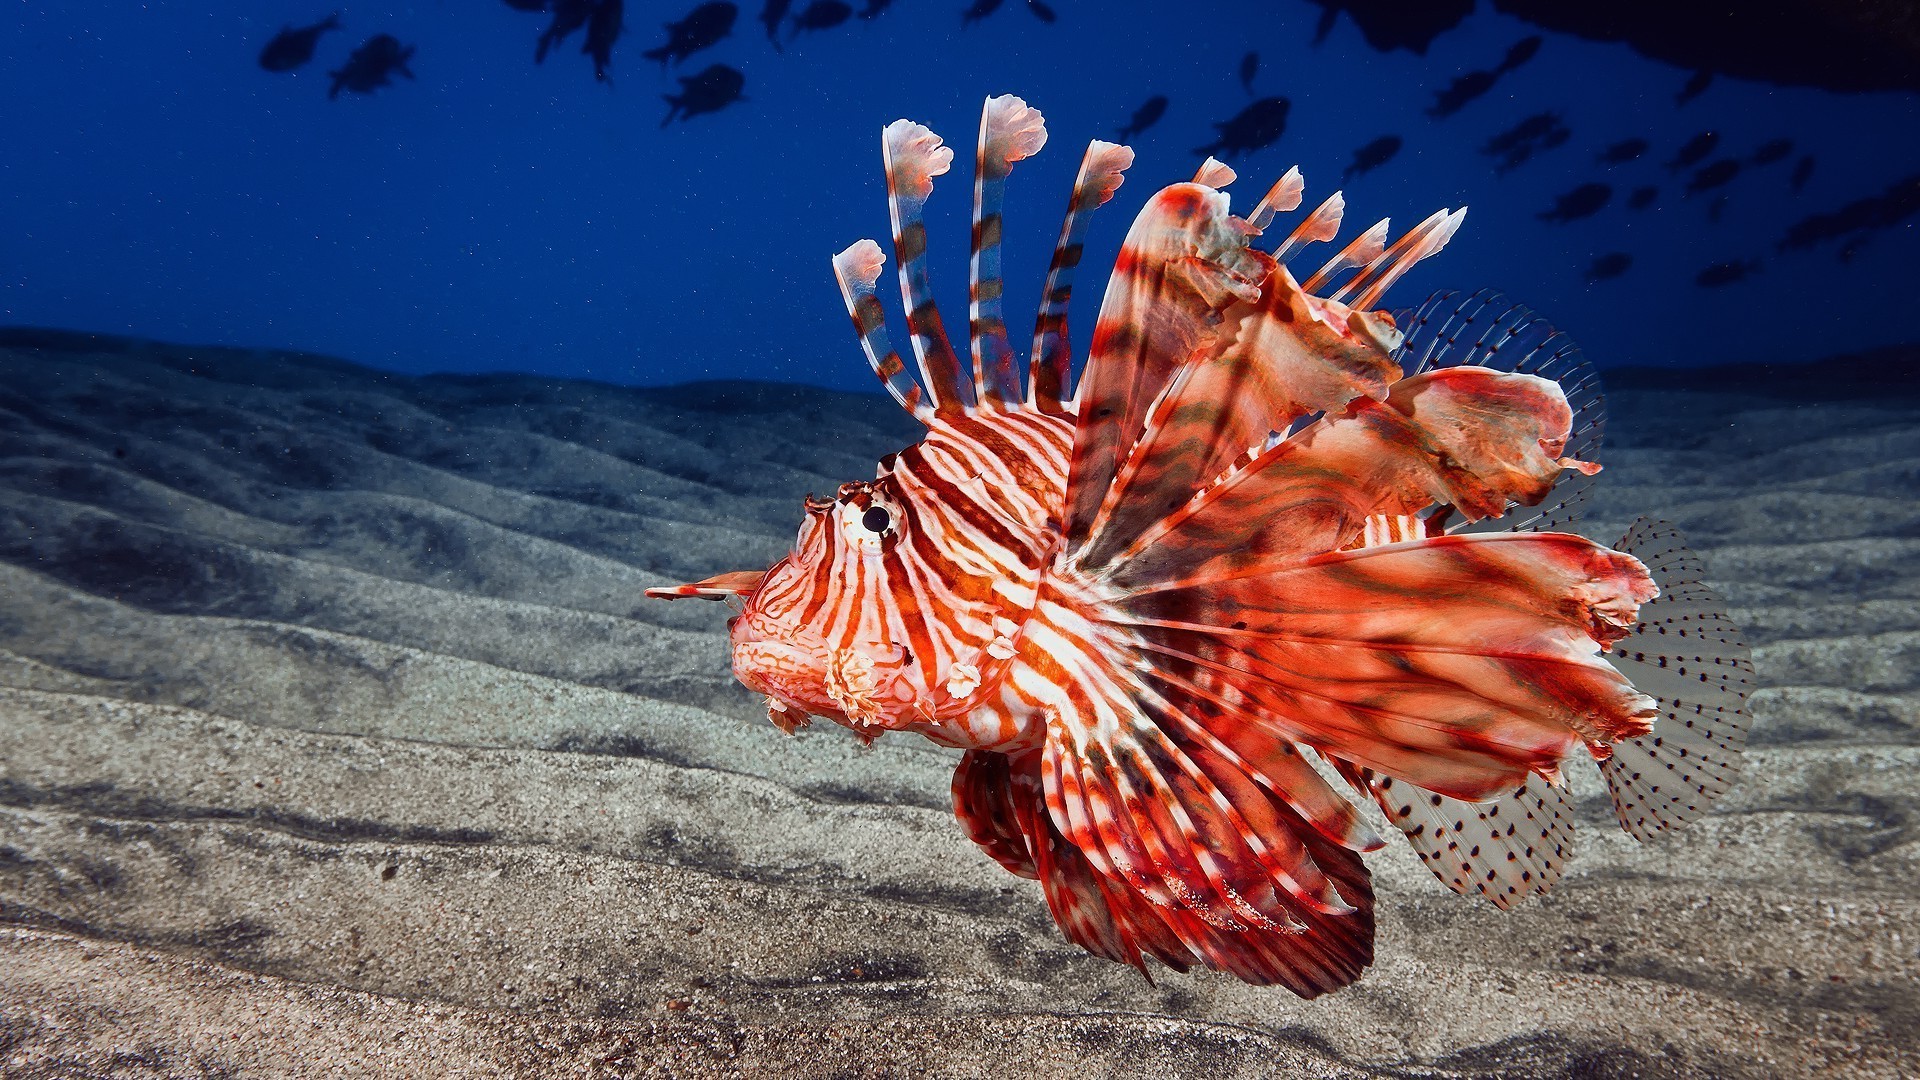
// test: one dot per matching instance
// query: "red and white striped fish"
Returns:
(1268, 545)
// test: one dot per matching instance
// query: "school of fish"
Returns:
(1274, 553)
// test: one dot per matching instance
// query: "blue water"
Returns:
(493, 214)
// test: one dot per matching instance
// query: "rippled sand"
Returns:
(336, 736)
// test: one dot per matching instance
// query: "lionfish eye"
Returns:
(876, 519)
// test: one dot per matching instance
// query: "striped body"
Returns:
(1274, 542)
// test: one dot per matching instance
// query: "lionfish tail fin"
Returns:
(1102, 170)
(857, 269)
(1010, 131)
(1503, 850)
(914, 156)
(1688, 654)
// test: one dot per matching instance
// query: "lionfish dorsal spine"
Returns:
(1360, 251)
(1101, 174)
(1214, 173)
(1318, 227)
(857, 270)
(914, 156)
(1282, 198)
(1422, 241)
(1009, 131)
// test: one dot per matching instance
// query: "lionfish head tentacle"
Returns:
(857, 269)
(914, 156)
(1009, 131)
(1101, 172)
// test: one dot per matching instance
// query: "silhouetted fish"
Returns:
(568, 16)
(1855, 220)
(701, 28)
(1249, 67)
(710, 91)
(1771, 151)
(1696, 86)
(292, 47)
(1642, 198)
(1622, 152)
(821, 15)
(1582, 202)
(1713, 176)
(771, 16)
(370, 66)
(1041, 11)
(603, 29)
(1726, 273)
(1257, 126)
(1461, 91)
(1802, 172)
(1517, 144)
(1610, 265)
(1372, 156)
(978, 10)
(1521, 51)
(1694, 151)
(874, 8)
(1144, 117)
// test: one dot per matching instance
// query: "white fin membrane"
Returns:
(1687, 653)
(1505, 849)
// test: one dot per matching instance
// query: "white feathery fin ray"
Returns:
(1505, 849)
(1360, 251)
(1215, 174)
(1320, 226)
(1282, 198)
(1009, 131)
(857, 269)
(914, 156)
(1102, 170)
(1418, 242)
(1688, 654)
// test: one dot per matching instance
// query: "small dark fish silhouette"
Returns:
(1771, 151)
(1726, 273)
(1610, 265)
(710, 91)
(1372, 156)
(1144, 117)
(370, 66)
(1694, 151)
(874, 8)
(771, 16)
(1802, 172)
(1717, 207)
(1582, 202)
(978, 10)
(1622, 152)
(821, 15)
(1857, 220)
(701, 28)
(1696, 86)
(1713, 176)
(290, 47)
(1042, 12)
(527, 5)
(1460, 92)
(1255, 127)
(603, 29)
(1642, 198)
(1249, 67)
(1516, 145)
(1522, 51)
(568, 16)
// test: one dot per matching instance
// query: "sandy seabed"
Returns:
(337, 739)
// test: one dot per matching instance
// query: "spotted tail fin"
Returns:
(914, 156)
(1009, 132)
(1689, 655)
(1101, 169)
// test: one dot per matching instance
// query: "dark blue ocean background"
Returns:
(494, 214)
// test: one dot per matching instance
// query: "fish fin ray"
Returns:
(914, 156)
(1101, 173)
(1010, 131)
(857, 270)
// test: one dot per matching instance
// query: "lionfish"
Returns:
(1272, 542)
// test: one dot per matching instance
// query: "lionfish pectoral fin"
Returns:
(1010, 131)
(717, 587)
(1101, 172)
(1688, 654)
(1011, 810)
